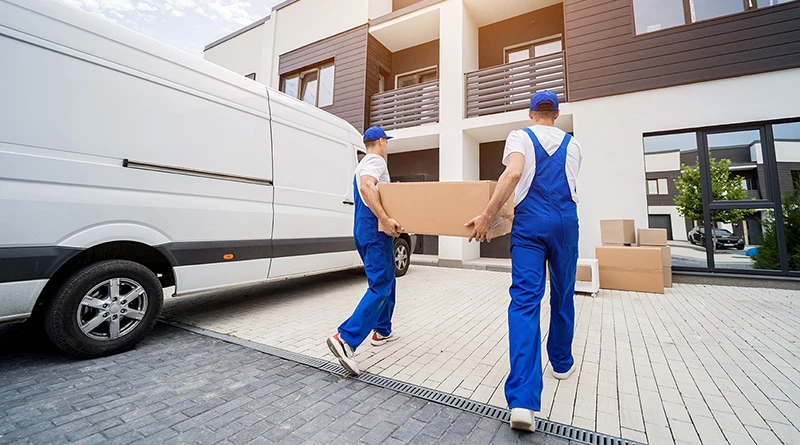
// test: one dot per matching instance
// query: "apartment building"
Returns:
(646, 85)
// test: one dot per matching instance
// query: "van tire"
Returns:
(402, 257)
(64, 313)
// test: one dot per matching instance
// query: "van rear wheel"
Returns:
(104, 308)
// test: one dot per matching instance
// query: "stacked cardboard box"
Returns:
(658, 238)
(645, 268)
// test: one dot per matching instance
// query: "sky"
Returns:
(188, 25)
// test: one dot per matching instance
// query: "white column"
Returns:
(458, 153)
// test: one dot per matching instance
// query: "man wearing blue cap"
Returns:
(542, 164)
(374, 311)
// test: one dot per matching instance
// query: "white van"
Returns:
(127, 166)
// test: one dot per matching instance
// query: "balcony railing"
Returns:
(509, 87)
(406, 107)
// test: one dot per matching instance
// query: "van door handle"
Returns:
(348, 202)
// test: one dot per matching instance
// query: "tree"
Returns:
(768, 255)
(689, 200)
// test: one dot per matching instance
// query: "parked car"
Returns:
(725, 239)
(139, 167)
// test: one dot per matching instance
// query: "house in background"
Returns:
(451, 79)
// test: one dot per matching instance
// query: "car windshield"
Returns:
(722, 232)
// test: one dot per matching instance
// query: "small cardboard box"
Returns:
(617, 232)
(442, 208)
(584, 273)
(625, 268)
(668, 276)
(652, 237)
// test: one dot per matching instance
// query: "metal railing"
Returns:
(406, 107)
(509, 87)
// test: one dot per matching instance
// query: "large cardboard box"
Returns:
(652, 237)
(668, 276)
(666, 256)
(617, 232)
(442, 208)
(631, 269)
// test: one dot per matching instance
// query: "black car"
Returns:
(725, 239)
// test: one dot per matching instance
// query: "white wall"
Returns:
(459, 153)
(611, 182)
(378, 8)
(787, 151)
(243, 54)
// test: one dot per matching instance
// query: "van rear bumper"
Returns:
(17, 299)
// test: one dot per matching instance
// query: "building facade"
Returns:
(642, 87)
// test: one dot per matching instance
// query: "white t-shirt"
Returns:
(518, 141)
(372, 165)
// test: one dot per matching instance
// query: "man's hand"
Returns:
(391, 227)
(482, 224)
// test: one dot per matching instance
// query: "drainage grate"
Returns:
(482, 409)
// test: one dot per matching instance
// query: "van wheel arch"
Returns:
(136, 252)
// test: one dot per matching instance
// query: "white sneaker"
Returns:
(344, 353)
(379, 340)
(563, 375)
(523, 419)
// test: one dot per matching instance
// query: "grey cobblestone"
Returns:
(195, 389)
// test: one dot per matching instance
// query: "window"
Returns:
(313, 85)
(533, 49)
(251, 76)
(654, 15)
(657, 186)
(416, 77)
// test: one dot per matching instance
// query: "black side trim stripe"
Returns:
(38, 263)
(192, 172)
(32, 263)
(313, 246)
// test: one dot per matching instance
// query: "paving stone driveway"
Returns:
(179, 387)
(699, 365)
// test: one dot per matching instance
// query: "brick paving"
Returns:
(699, 365)
(182, 388)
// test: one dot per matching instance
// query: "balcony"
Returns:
(509, 87)
(406, 107)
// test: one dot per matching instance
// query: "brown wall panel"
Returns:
(520, 29)
(414, 58)
(379, 58)
(348, 50)
(605, 57)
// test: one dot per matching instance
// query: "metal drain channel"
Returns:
(481, 409)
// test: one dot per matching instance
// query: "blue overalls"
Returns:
(545, 229)
(376, 249)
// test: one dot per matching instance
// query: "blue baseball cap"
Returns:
(544, 97)
(375, 133)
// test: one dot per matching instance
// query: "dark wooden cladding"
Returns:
(605, 57)
(379, 59)
(528, 27)
(412, 59)
(509, 87)
(406, 107)
(348, 50)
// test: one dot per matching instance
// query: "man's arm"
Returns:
(515, 163)
(369, 191)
